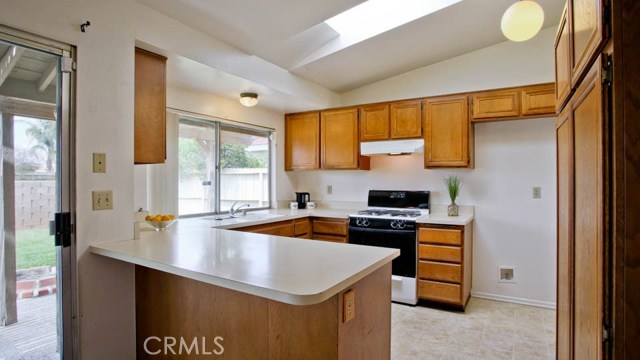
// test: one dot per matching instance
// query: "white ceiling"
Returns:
(287, 33)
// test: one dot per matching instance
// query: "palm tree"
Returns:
(44, 133)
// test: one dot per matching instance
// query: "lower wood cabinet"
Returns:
(330, 229)
(326, 229)
(444, 263)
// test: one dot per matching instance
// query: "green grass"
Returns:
(34, 247)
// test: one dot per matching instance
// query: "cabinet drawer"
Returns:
(440, 271)
(440, 253)
(333, 238)
(331, 227)
(301, 227)
(438, 291)
(496, 104)
(440, 236)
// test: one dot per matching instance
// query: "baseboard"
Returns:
(515, 300)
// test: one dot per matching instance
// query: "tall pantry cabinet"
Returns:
(582, 142)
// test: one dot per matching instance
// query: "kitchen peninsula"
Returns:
(264, 296)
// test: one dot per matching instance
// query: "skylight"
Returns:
(374, 17)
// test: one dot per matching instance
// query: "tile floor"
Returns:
(490, 330)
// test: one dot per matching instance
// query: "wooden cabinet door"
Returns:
(539, 100)
(564, 301)
(406, 121)
(587, 35)
(563, 62)
(589, 235)
(374, 122)
(302, 141)
(496, 104)
(339, 139)
(150, 108)
(446, 136)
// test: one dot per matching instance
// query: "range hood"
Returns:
(392, 147)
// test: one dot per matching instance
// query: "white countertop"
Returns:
(294, 271)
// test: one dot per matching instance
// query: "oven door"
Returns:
(405, 240)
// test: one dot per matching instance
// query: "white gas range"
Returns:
(390, 221)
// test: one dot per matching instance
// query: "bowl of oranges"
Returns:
(160, 221)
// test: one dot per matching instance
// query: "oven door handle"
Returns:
(385, 231)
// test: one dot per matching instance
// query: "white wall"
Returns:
(511, 228)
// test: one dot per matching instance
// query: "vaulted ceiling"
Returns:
(292, 35)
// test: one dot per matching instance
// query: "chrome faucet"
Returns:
(233, 210)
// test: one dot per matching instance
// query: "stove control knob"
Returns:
(359, 221)
(394, 224)
(366, 222)
(401, 224)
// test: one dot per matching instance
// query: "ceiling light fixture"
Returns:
(249, 99)
(522, 20)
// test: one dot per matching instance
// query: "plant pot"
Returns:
(452, 210)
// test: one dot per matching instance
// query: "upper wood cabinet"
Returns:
(405, 119)
(587, 35)
(374, 122)
(496, 104)
(339, 146)
(563, 62)
(446, 135)
(396, 120)
(538, 100)
(150, 106)
(302, 141)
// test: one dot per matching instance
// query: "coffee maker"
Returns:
(302, 198)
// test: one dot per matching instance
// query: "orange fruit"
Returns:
(165, 218)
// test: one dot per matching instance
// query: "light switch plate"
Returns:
(537, 192)
(99, 162)
(102, 200)
(349, 309)
(329, 189)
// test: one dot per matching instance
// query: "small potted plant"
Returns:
(453, 186)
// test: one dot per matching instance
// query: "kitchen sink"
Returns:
(242, 218)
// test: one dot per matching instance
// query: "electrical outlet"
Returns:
(329, 189)
(506, 274)
(102, 200)
(537, 192)
(349, 309)
(99, 162)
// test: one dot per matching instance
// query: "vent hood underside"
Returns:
(392, 147)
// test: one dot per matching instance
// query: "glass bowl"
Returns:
(161, 225)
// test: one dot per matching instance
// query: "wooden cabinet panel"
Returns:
(446, 136)
(330, 226)
(333, 238)
(563, 62)
(374, 122)
(496, 104)
(302, 141)
(440, 253)
(150, 107)
(587, 35)
(440, 271)
(587, 110)
(564, 138)
(301, 227)
(281, 228)
(539, 100)
(339, 139)
(440, 236)
(433, 290)
(406, 119)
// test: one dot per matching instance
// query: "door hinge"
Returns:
(61, 228)
(607, 71)
(606, 333)
(67, 65)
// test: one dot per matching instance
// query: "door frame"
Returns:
(68, 299)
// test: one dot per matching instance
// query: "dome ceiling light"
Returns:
(249, 99)
(522, 20)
